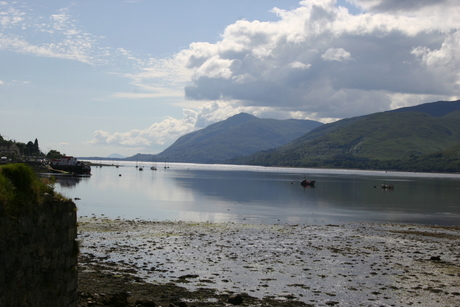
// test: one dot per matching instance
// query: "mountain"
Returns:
(242, 134)
(398, 134)
(436, 109)
(116, 156)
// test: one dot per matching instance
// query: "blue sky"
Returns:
(94, 77)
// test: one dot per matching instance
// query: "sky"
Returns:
(96, 77)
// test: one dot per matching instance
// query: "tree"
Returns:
(54, 154)
(36, 147)
(30, 148)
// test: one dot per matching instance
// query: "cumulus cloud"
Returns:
(170, 129)
(321, 60)
(158, 133)
(299, 65)
(336, 54)
(317, 61)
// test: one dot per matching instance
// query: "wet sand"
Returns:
(328, 265)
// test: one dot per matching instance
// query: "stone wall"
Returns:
(38, 257)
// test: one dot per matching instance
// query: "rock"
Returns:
(435, 258)
(145, 304)
(189, 276)
(235, 299)
(119, 299)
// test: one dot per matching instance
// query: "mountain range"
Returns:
(239, 135)
(403, 134)
(425, 137)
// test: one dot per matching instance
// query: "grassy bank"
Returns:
(20, 188)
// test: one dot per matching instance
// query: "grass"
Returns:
(20, 189)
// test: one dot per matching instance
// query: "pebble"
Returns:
(381, 264)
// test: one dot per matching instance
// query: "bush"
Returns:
(20, 188)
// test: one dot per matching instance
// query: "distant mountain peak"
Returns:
(116, 156)
(241, 118)
(238, 135)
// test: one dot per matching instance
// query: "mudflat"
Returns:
(145, 263)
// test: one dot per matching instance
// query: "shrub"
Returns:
(20, 188)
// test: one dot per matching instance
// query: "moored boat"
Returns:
(307, 183)
(72, 165)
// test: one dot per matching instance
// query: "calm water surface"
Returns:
(221, 193)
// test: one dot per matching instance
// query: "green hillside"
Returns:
(386, 136)
(242, 134)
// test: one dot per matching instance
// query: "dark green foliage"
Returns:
(32, 149)
(20, 176)
(447, 161)
(29, 149)
(54, 154)
(20, 188)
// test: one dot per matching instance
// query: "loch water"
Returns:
(252, 194)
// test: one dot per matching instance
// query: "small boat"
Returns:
(307, 183)
(153, 167)
(141, 168)
(387, 186)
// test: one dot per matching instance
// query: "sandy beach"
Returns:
(203, 264)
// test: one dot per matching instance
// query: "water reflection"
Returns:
(203, 194)
(66, 181)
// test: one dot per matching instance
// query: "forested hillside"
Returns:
(400, 139)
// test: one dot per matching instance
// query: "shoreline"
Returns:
(276, 265)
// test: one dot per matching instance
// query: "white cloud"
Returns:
(170, 129)
(317, 61)
(67, 49)
(10, 16)
(406, 5)
(161, 133)
(299, 65)
(57, 38)
(157, 78)
(14, 82)
(160, 92)
(320, 60)
(336, 54)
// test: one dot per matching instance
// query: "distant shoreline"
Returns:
(263, 166)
